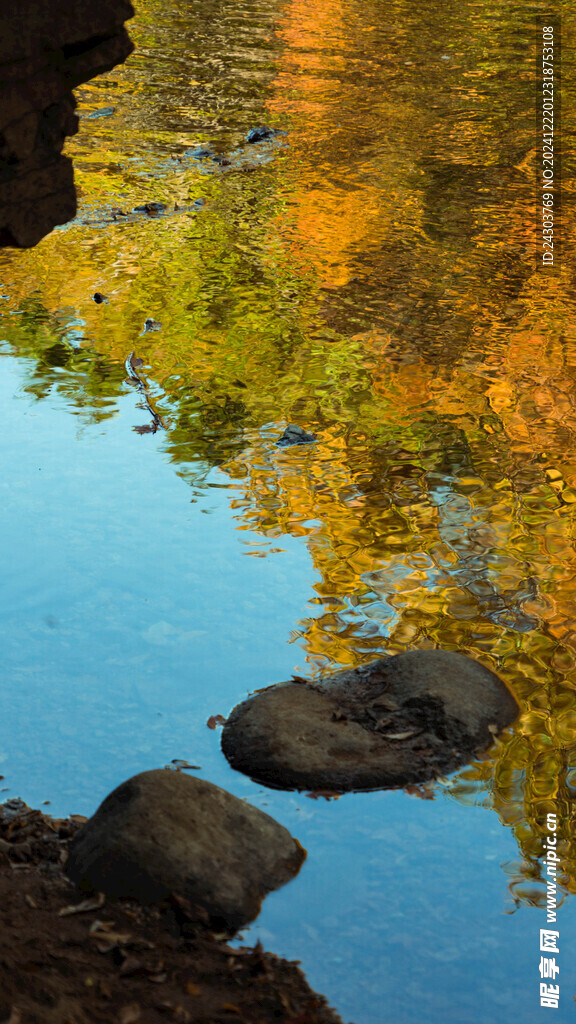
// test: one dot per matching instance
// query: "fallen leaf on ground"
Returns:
(82, 908)
(131, 965)
(129, 1014)
(401, 735)
(109, 939)
(14, 1018)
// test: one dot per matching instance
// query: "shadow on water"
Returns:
(374, 280)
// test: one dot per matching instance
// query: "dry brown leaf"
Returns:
(15, 1016)
(131, 965)
(112, 939)
(215, 720)
(94, 903)
(129, 1014)
(422, 792)
(98, 925)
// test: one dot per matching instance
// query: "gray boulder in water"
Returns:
(393, 722)
(295, 435)
(162, 832)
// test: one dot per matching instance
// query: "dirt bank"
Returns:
(64, 960)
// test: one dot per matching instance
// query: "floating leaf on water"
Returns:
(215, 720)
(180, 763)
(422, 792)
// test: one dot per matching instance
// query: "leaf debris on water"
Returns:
(215, 720)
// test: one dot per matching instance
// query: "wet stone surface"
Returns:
(394, 722)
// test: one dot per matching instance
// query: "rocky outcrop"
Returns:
(393, 722)
(46, 50)
(163, 833)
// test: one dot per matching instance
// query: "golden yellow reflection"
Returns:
(376, 282)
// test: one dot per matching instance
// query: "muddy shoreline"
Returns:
(65, 959)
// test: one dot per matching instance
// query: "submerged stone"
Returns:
(200, 153)
(295, 435)
(263, 132)
(396, 721)
(162, 832)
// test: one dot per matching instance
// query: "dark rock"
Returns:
(295, 435)
(200, 153)
(396, 721)
(151, 208)
(98, 297)
(152, 325)
(46, 50)
(263, 132)
(163, 833)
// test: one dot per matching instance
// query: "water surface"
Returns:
(371, 276)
